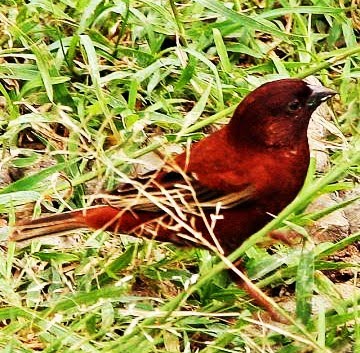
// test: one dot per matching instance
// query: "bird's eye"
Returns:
(294, 106)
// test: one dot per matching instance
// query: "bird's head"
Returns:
(278, 112)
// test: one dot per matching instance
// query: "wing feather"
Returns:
(149, 192)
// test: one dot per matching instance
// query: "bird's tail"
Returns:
(98, 217)
(48, 225)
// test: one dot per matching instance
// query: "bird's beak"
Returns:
(319, 94)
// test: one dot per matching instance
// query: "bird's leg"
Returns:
(256, 294)
(286, 236)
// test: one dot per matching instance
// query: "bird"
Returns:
(222, 189)
(218, 192)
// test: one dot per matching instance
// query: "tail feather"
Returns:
(48, 225)
(98, 217)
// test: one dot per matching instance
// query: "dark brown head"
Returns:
(277, 113)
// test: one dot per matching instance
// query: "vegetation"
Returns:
(89, 86)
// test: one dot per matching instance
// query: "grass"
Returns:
(90, 86)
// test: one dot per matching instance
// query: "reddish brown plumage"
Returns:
(221, 191)
(254, 166)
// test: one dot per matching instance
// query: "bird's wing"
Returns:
(175, 189)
